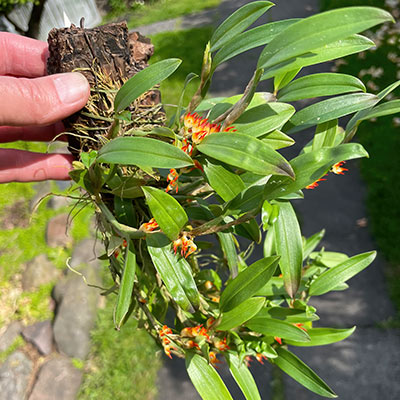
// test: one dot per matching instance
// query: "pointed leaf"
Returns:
(245, 152)
(316, 85)
(319, 30)
(238, 22)
(246, 284)
(388, 108)
(143, 151)
(289, 246)
(224, 182)
(327, 110)
(341, 273)
(126, 288)
(251, 39)
(323, 336)
(277, 140)
(275, 327)
(311, 243)
(174, 271)
(291, 315)
(243, 377)
(240, 314)
(360, 116)
(341, 48)
(143, 81)
(205, 378)
(229, 249)
(303, 374)
(167, 211)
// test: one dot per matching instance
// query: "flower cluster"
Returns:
(199, 127)
(150, 226)
(186, 244)
(164, 332)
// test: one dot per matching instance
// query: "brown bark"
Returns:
(107, 56)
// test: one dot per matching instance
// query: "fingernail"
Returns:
(71, 87)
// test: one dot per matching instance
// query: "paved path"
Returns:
(367, 365)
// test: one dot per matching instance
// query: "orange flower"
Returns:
(187, 147)
(172, 180)
(260, 358)
(338, 169)
(165, 331)
(213, 358)
(248, 360)
(186, 244)
(190, 344)
(199, 127)
(315, 184)
(210, 322)
(300, 325)
(149, 226)
(278, 339)
(199, 330)
(221, 345)
(167, 350)
(187, 332)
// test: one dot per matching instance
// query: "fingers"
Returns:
(41, 101)
(32, 133)
(22, 56)
(24, 166)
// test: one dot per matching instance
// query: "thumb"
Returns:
(41, 101)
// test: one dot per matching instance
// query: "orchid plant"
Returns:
(173, 199)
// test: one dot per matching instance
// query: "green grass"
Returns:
(189, 47)
(122, 365)
(157, 10)
(382, 141)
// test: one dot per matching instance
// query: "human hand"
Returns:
(32, 106)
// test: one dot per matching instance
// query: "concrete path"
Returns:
(367, 365)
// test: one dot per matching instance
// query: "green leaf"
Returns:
(246, 284)
(250, 230)
(303, 37)
(238, 22)
(264, 118)
(289, 246)
(316, 85)
(124, 212)
(388, 108)
(126, 287)
(143, 81)
(274, 287)
(205, 378)
(329, 109)
(311, 243)
(277, 140)
(167, 211)
(251, 39)
(284, 79)
(249, 199)
(309, 167)
(329, 259)
(174, 271)
(341, 273)
(126, 187)
(325, 134)
(332, 51)
(143, 151)
(243, 377)
(323, 336)
(229, 249)
(275, 327)
(240, 314)
(291, 315)
(303, 374)
(224, 182)
(269, 214)
(360, 116)
(245, 152)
